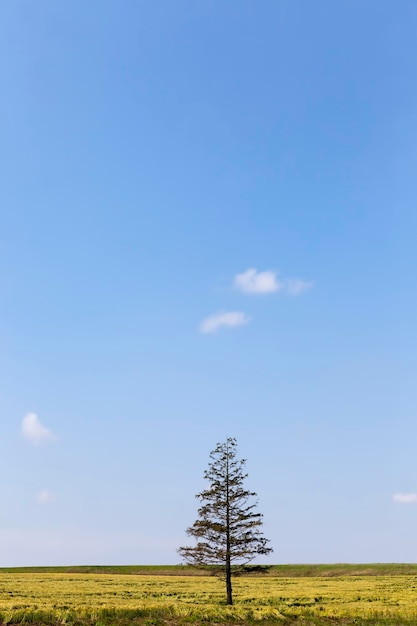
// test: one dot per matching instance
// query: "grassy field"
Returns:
(284, 571)
(327, 595)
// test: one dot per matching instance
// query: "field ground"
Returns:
(304, 595)
(285, 571)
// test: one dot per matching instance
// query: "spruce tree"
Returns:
(228, 530)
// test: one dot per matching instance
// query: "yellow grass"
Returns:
(73, 598)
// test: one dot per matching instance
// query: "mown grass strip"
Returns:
(281, 571)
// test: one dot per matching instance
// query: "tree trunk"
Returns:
(229, 599)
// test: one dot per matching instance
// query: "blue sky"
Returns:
(207, 229)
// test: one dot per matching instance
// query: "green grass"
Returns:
(344, 569)
(284, 571)
(144, 570)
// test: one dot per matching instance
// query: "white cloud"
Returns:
(45, 497)
(34, 431)
(253, 281)
(296, 286)
(405, 498)
(231, 319)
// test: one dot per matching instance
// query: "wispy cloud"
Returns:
(405, 498)
(45, 497)
(253, 282)
(296, 286)
(230, 319)
(34, 431)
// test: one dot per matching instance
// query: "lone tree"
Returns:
(228, 530)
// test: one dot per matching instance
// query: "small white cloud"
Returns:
(405, 498)
(253, 281)
(34, 431)
(45, 497)
(231, 319)
(296, 286)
